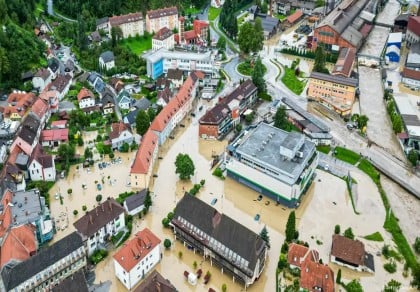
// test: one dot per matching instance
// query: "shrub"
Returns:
(84, 208)
(69, 191)
(282, 261)
(349, 233)
(165, 222)
(202, 182)
(390, 267)
(338, 280)
(224, 287)
(416, 245)
(284, 248)
(75, 212)
(337, 229)
(167, 243)
(218, 172)
(170, 215)
(195, 265)
(98, 198)
(111, 155)
(180, 254)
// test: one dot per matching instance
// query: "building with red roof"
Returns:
(60, 124)
(54, 137)
(86, 98)
(41, 109)
(411, 78)
(295, 17)
(137, 257)
(164, 38)
(413, 30)
(131, 24)
(297, 254)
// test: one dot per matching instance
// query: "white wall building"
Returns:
(131, 24)
(41, 166)
(164, 38)
(137, 257)
(107, 60)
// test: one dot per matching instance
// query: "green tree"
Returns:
(147, 201)
(282, 263)
(88, 153)
(142, 122)
(224, 287)
(66, 152)
(184, 166)
(338, 280)
(165, 222)
(98, 198)
(116, 35)
(151, 113)
(280, 118)
(245, 37)
(362, 121)
(167, 243)
(354, 286)
(221, 43)
(320, 61)
(392, 286)
(75, 212)
(413, 157)
(264, 236)
(291, 227)
(258, 75)
(258, 36)
(416, 245)
(349, 233)
(397, 124)
(337, 229)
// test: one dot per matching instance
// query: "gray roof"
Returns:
(142, 104)
(101, 21)
(45, 258)
(27, 207)
(334, 78)
(413, 58)
(136, 200)
(222, 228)
(163, 53)
(130, 118)
(107, 56)
(29, 129)
(76, 282)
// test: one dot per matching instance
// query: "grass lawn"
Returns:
(369, 169)
(374, 237)
(192, 10)
(280, 17)
(346, 155)
(138, 45)
(290, 80)
(324, 148)
(245, 68)
(213, 13)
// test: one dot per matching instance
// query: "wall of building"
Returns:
(411, 82)
(208, 131)
(86, 102)
(132, 28)
(155, 24)
(327, 35)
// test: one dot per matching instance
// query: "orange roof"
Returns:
(117, 129)
(316, 277)
(59, 123)
(296, 254)
(295, 16)
(48, 94)
(40, 107)
(144, 153)
(55, 135)
(6, 215)
(136, 249)
(84, 93)
(21, 97)
(19, 244)
(190, 34)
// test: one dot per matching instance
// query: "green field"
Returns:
(214, 13)
(245, 68)
(290, 80)
(324, 148)
(280, 17)
(346, 155)
(138, 44)
(374, 237)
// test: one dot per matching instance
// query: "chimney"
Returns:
(110, 205)
(90, 219)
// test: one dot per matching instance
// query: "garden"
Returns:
(247, 67)
(138, 44)
(290, 78)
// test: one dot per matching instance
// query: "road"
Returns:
(51, 12)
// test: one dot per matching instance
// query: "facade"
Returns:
(164, 38)
(40, 109)
(344, 65)
(61, 85)
(137, 258)
(165, 17)
(135, 204)
(155, 282)
(41, 165)
(28, 135)
(86, 98)
(98, 225)
(160, 61)
(48, 268)
(413, 30)
(124, 100)
(275, 163)
(411, 78)
(75, 282)
(41, 79)
(336, 92)
(176, 77)
(283, 7)
(219, 120)
(131, 24)
(228, 244)
(107, 60)
(410, 138)
(351, 254)
(107, 103)
(120, 133)
(54, 137)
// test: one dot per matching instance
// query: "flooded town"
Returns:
(201, 145)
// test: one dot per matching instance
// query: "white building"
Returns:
(107, 60)
(159, 18)
(131, 24)
(137, 257)
(86, 98)
(98, 225)
(135, 204)
(41, 79)
(120, 133)
(41, 165)
(164, 38)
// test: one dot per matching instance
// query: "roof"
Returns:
(46, 160)
(344, 62)
(45, 258)
(411, 74)
(75, 282)
(21, 99)
(235, 236)
(295, 16)
(395, 37)
(393, 49)
(116, 83)
(85, 93)
(136, 200)
(43, 73)
(215, 115)
(175, 74)
(127, 18)
(296, 254)
(349, 250)
(98, 217)
(335, 79)
(40, 108)
(107, 56)
(151, 14)
(316, 277)
(29, 129)
(130, 118)
(414, 25)
(142, 103)
(165, 94)
(60, 83)
(155, 56)
(190, 35)
(117, 129)
(144, 154)
(413, 57)
(135, 250)
(55, 135)
(155, 282)
(102, 20)
(163, 34)
(123, 96)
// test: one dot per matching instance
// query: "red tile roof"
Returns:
(6, 215)
(414, 25)
(349, 250)
(58, 124)
(121, 19)
(136, 249)
(55, 135)
(144, 153)
(199, 26)
(190, 35)
(162, 12)
(117, 129)
(411, 74)
(344, 62)
(316, 277)
(40, 107)
(163, 34)
(296, 254)
(21, 99)
(295, 16)
(84, 93)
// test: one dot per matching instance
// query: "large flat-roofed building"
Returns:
(160, 61)
(275, 163)
(336, 92)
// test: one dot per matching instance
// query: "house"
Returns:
(120, 134)
(61, 84)
(155, 282)
(131, 24)
(124, 100)
(351, 254)
(401, 22)
(413, 58)
(159, 18)
(28, 134)
(54, 137)
(18, 102)
(41, 110)
(176, 76)
(295, 17)
(298, 254)
(107, 60)
(54, 67)
(130, 118)
(135, 204)
(413, 30)
(51, 97)
(269, 24)
(41, 79)
(164, 38)
(116, 84)
(137, 257)
(307, 7)
(75, 282)
(228, 244)
(411, 78)
(164, 96)
(142, 104)
(336, 92)
(219, 120)
(48, 268)
(141, 169)
(86, 98)
(283, 7)
(98, 225)
(344, 65)
(103, 24)
(201, 28)
(60, 124)
(41, 165)
(12, 177)
(108, 102)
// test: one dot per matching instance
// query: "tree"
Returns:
(75, 212)
(319, 64)
(337, 229)
(338, 280)
(184, 166)
(245, 37)
(167, 243)
(258, 75)
(280, 118)
(354, 286)
(392, 286)
(349, 233)
(416, 245)
(66, 152)
(224, 287)
(291, 227)
(84, 208)
(142, 122)
(147, 201)
(282, 263)
(413, 156)
(69, 191)
(151, 113)
(258, 36)
(397, 124)
(362, 121)
(221, 43)
(116, 35)
(165, 222)
(88, 153)
(264, 236)
(98, 198)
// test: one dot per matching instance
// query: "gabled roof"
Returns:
(411, 74)
(162, 12)
(130, 118)
(29, 129)
(296, 254)
(165, 94)
(60, 83)
(76, 282)
(107, 56)
(136, 249)
(414, 25)
(163, 34)
(127, 18)
(175, 74)
(344, 62)
(97, 218)
(124, 96)
(59, 123)
(142, 103)
(335, 79)
(316, 277)
(85, 93)
(155, 282)
(55, 135)
(144, 153)
(117, 129)
(215, 115)
(43, 73)
(40, 108)
(295, 16)
(46, 257)
(136, 200)
(116, 83)
(349, 250)
(42, 158)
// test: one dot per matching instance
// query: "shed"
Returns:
(395, 39)
(393, 53)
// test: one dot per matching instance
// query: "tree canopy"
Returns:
(320, 60)
(142, 122)
(264, 236)
(184, 166)
(258, 75)
(228, 19)
(221, 43)
(291, 227)
(251, 37)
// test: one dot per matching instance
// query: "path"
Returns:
(51, 12)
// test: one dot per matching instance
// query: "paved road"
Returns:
(51, 12)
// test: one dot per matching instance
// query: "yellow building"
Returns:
(336, 92)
